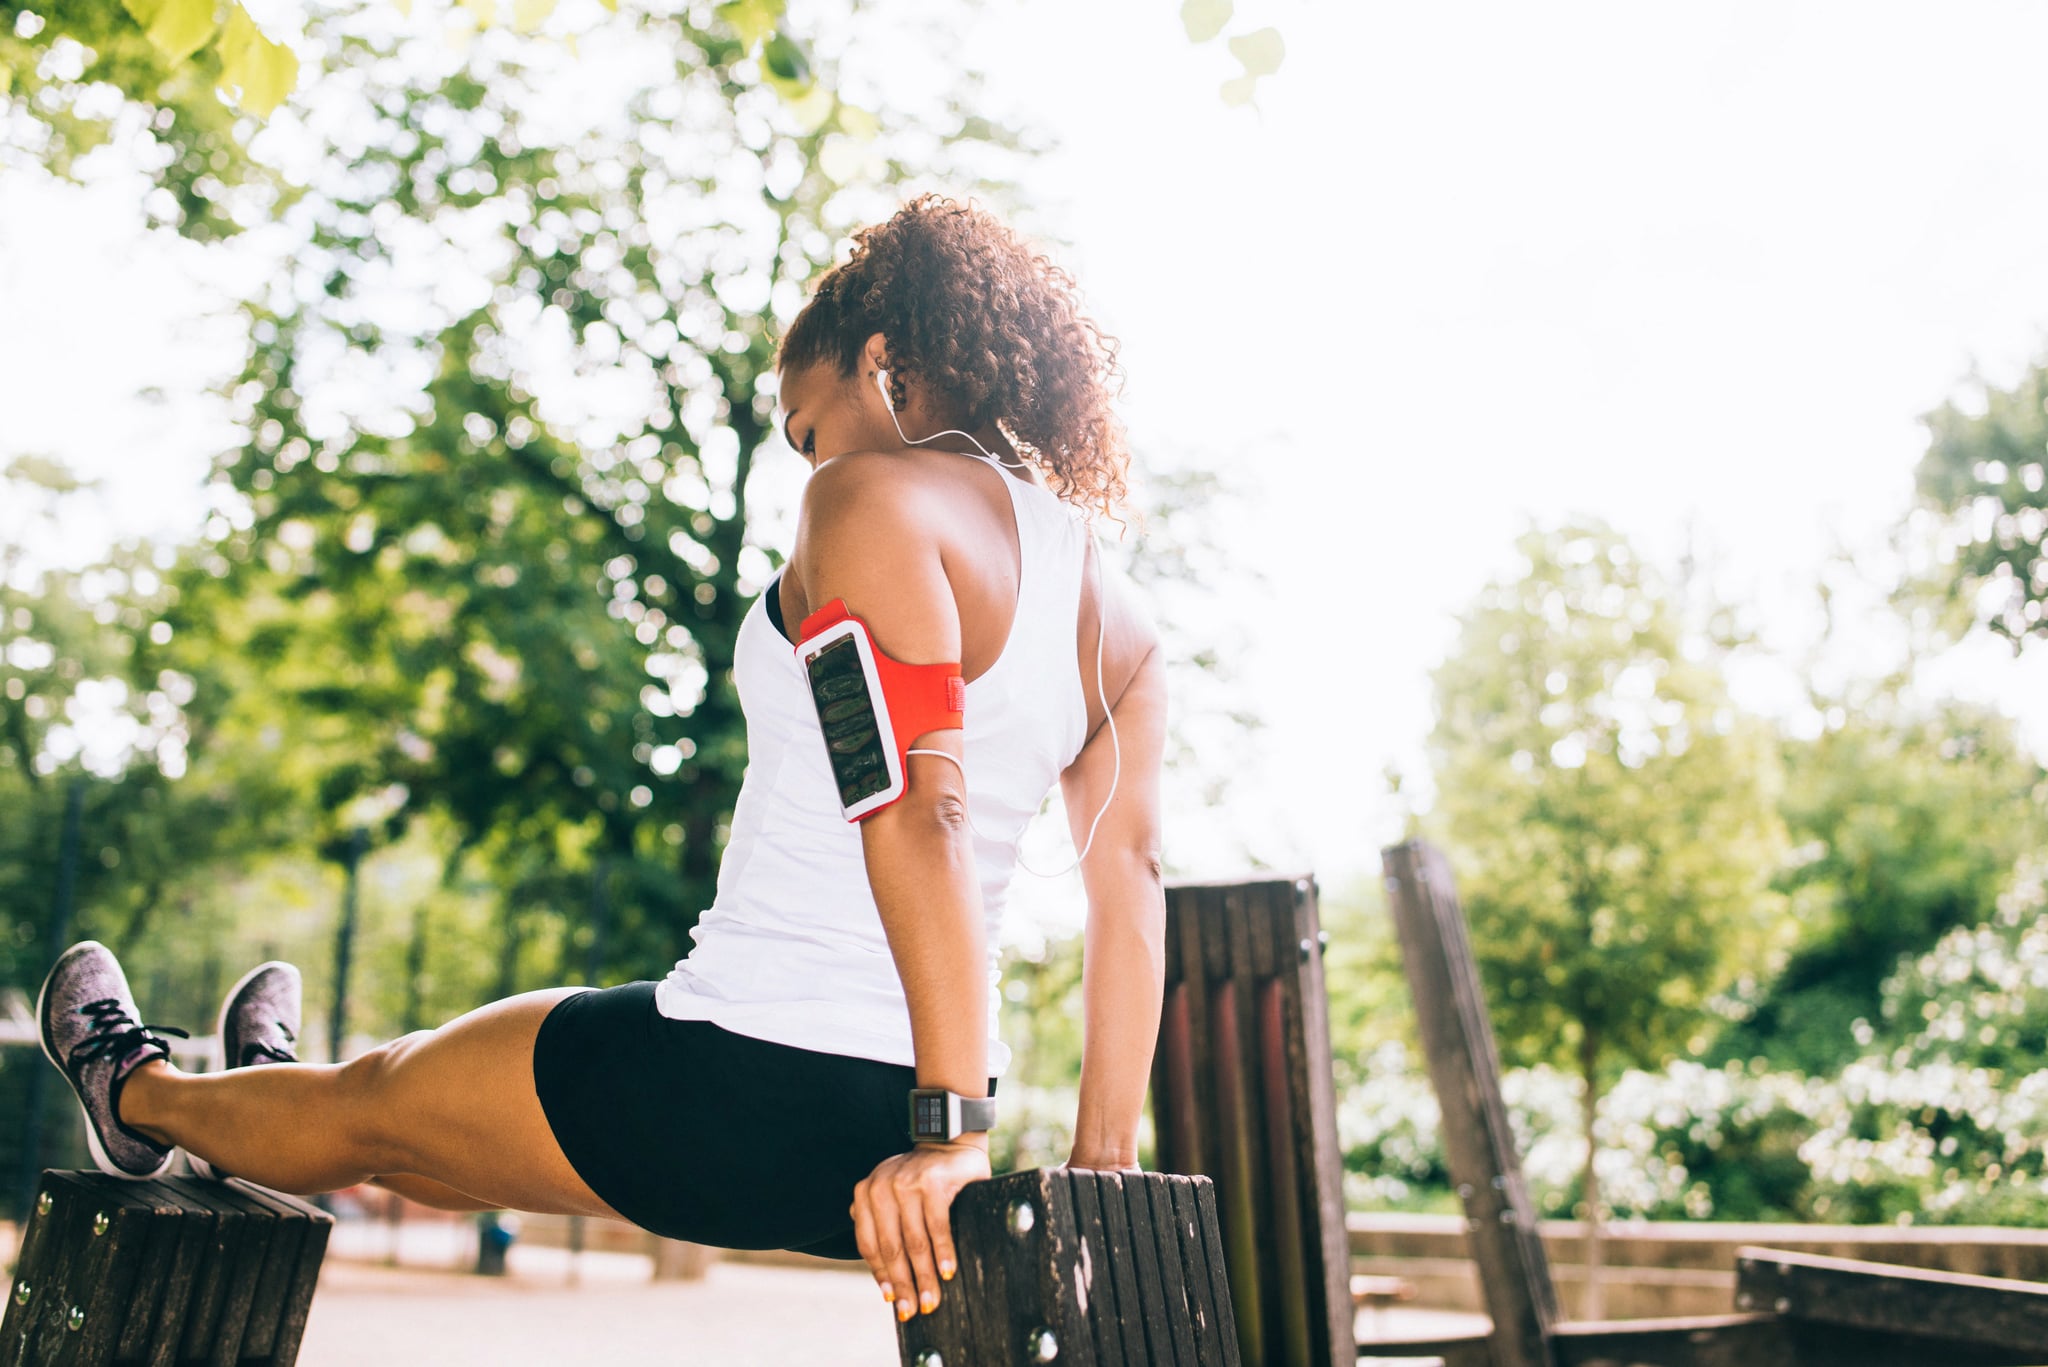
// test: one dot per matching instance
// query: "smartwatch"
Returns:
(938, 1115)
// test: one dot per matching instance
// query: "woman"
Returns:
(937, 383)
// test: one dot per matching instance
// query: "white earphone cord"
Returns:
(1101, 631)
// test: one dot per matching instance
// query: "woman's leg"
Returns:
(425, 1191)
(454, 1105)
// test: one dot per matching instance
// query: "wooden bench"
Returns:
(1792, 1309)
(167, 1273)
(1088, 1269)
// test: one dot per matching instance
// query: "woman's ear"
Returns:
(874, 353)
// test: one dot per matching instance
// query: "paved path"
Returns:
(740, 1315)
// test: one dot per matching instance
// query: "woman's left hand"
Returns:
(902, 1219)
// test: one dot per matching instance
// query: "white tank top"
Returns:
(792, 948)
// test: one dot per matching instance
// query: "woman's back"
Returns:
(792, 948)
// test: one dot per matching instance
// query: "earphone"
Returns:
(1102, 631)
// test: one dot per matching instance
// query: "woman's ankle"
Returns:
(141, 1102)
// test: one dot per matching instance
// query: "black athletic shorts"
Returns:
(698, 1133)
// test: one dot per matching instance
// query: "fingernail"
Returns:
(904, 1311)
(889, 1294)
(929, 1300)
(946, 1268)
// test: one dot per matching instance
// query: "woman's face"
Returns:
(826, 414)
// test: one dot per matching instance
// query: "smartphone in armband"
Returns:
(871, 707)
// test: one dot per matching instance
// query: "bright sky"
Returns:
(1468, 265)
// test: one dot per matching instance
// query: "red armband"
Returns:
(870, 707)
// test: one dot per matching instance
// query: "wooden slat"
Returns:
(1184, 927)
(1152, 1305)
(103, 1277)
(1123, 1268)
(1701, 1341)
(146, 1296)
(212, 1284)
(1312, 1084)
(1989, 1312)
(196, 1225)
(1278, 1298)
(1172, 1271)
(1464, 1067)
(1283, 1209)
(1101, 1308)
(259, 1234)
(1145, 1267)
(1176, 1129)
(34, 1331)
(1219, 1274)
(279, 1270)
(1058, 1292)
(298, 1295)
(1201, 1291)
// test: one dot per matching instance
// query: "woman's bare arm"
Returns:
(862, 539)
(1123, 970)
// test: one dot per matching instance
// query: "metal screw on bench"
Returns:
(1308, 947)
(43, 1204)
(930, 1358)
(100, 1224)
(1023, 1215)
(22, 1291)
(76, 1319)
(1044, 1347)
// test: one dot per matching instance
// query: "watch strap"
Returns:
(977, 1113)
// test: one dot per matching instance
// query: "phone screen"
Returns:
(853, 735)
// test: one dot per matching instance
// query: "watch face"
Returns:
(928, 1116)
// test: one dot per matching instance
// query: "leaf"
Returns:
(181, 28)
(1260, 51)
(785, 61)
(1204, 19)
(1238, 91)
(6, 78)
(751, 20)
(529, 15)
(143, 12)
(263, 71)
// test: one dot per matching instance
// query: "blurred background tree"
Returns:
(1611, 814)
(1985, 478)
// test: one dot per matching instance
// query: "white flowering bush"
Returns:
(1943, 1120)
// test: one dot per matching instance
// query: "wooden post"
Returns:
(170, 1271)
(1465, 1067)
(1082, 1268)
(1242, 1092)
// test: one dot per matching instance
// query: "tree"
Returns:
(1983, 477)
(1611, 815)
(492, 533)
(1906, 822)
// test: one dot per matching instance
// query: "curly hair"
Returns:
(991, 326)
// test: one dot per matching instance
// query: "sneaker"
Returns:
(94, 1033)
(259, 1024)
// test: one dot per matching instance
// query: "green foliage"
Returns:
(489, 542)
(1983, 475)
(89, 705)
(1610, 814)
(1906, 823)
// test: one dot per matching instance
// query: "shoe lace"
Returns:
(262, 1049)
(116, 1032)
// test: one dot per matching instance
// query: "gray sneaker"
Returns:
(94, 1033)
(259, 1024)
